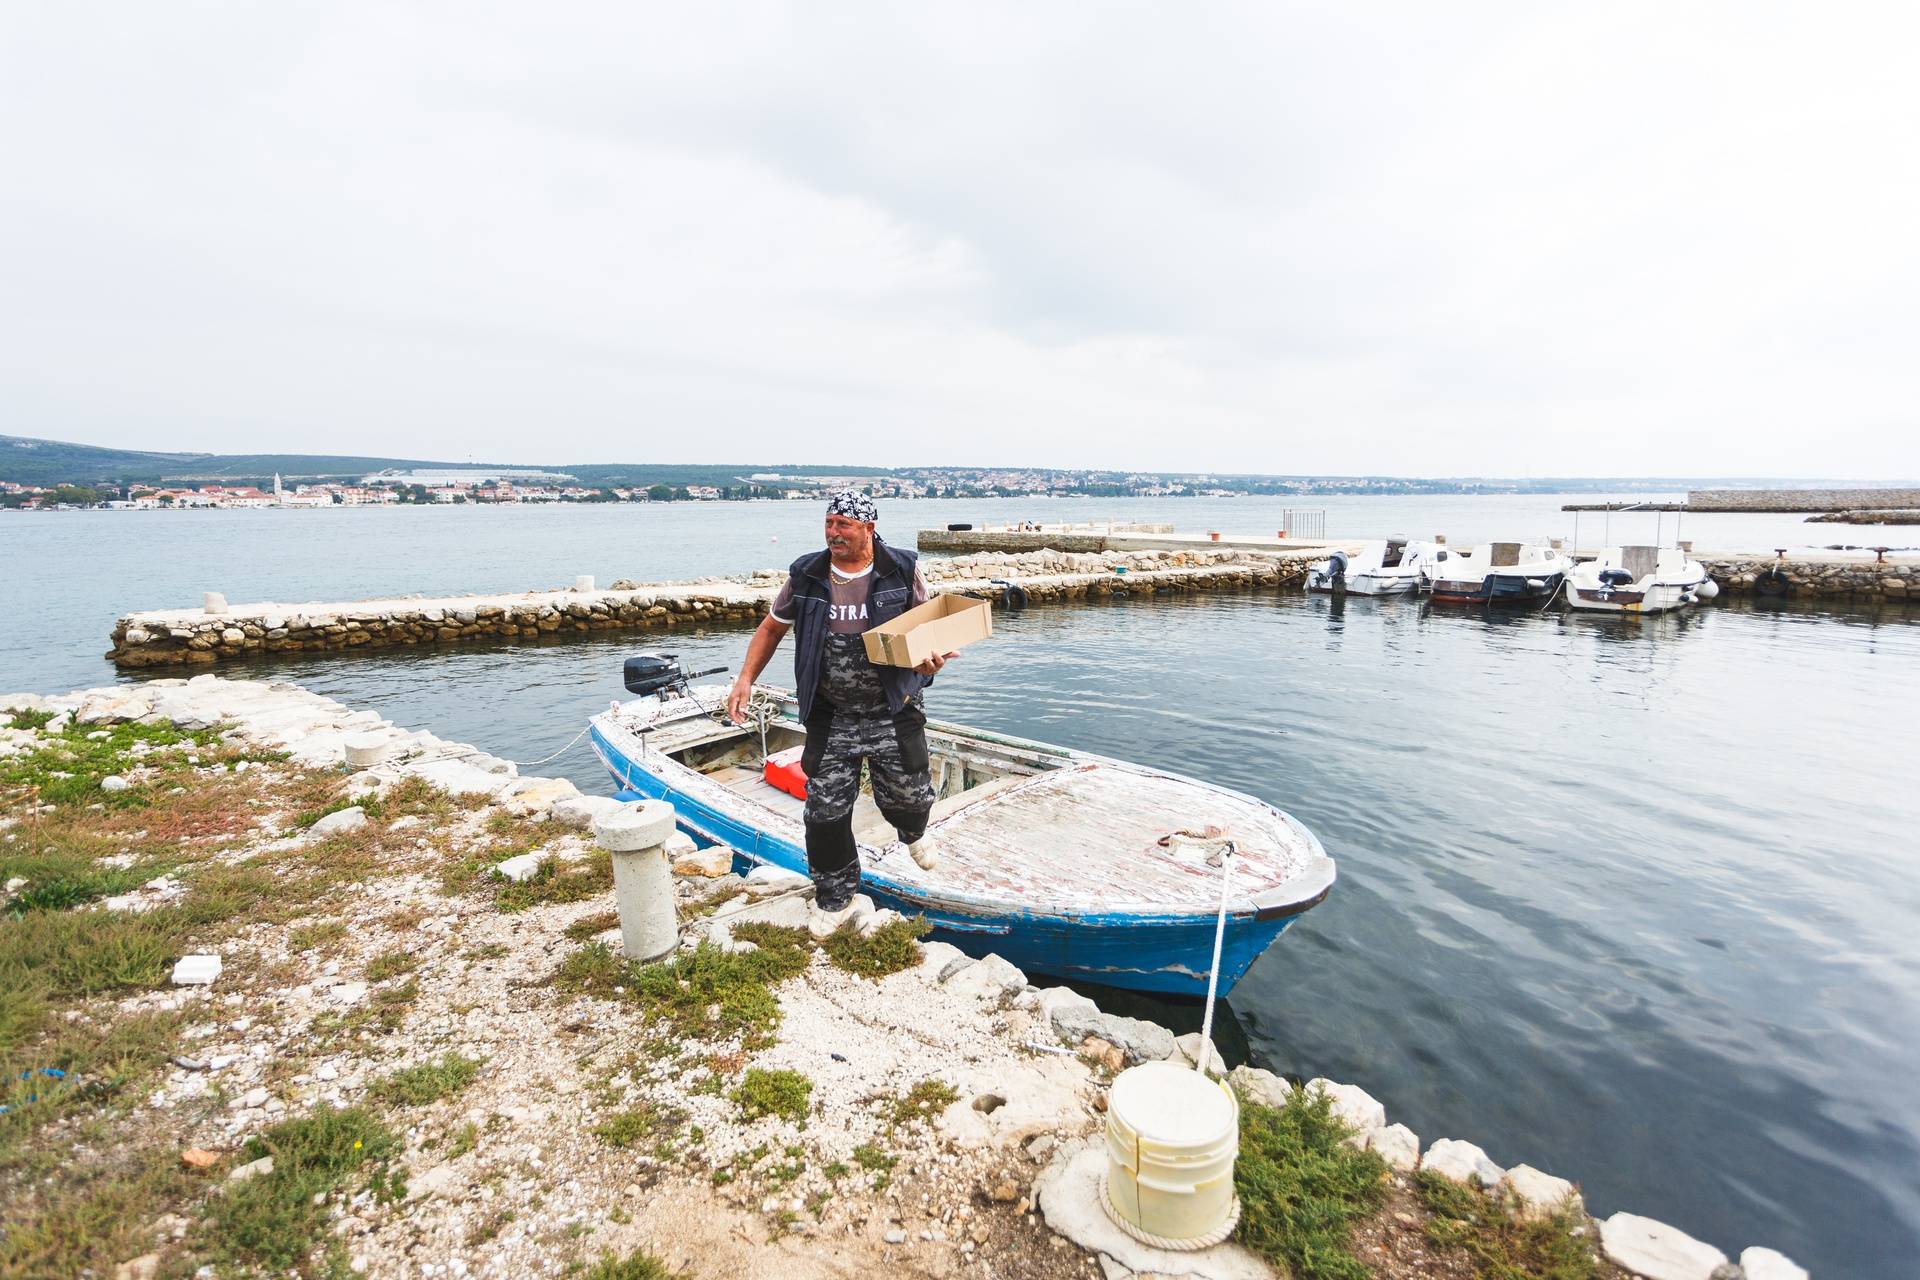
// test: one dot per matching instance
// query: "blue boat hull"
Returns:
(1160, 953)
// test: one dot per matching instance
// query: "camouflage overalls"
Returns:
(850, 724)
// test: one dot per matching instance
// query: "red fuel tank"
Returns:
(783, 771)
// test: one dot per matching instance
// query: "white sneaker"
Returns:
(824, 924)
(925, 852)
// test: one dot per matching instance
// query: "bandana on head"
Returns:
(852, 504)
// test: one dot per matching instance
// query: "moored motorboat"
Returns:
(1383, 567)
(1063, 862)
(1496, 573)
(1639, 580)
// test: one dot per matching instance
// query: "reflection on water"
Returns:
(1627, 899)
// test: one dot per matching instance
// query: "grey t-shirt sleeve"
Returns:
(919, 587)
(781, 610)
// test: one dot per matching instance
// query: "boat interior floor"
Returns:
(731, 756)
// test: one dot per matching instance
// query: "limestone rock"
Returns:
(1540, 1195)
(687, 859)
(1190, 1050)
(1263, 1087)
(878, 921)
(1351, 1104)
(144, 1267)
(991, 978)
(1459, 1161)
(580, 811)
(1766, 1264)
(1396, 1144)
(521, 867)
(347, 992)
(263, 1165)
(335, 823)
(532, 796)
(936, 956)
(113, 782)
(112, 706)
(1047, 999)
(1655, 1250)
(441, 1180)
(1142, 1041)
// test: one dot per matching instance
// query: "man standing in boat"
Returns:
(854, 711)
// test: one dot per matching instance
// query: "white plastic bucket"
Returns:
(1172, 1137)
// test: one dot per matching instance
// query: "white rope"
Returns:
(1213, 974)
(1207, 1241)
(528, 764)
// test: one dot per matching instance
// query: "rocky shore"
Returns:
(172, 637)
(406, 1045)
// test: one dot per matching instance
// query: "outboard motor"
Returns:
(660, 673)
(1612, 580)
(1337, 570)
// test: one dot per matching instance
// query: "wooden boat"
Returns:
(1496, 573)
(1050, 857)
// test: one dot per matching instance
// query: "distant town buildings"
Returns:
(519, 486)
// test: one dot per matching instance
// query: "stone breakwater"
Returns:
(386, 952)
(169, 637)
(1837, 575)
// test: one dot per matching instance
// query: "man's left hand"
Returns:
(931, 667)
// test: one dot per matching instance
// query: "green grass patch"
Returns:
(638, 1265)
(97, 1217)
(271, 1221)
(705, 994)
(1503, 1245)
(593, 926)
(1302, 1188)
(429, 1081)
(876, 1162)
(556, 881)
(922, 1102)
(391, 964)
(28, 717)
(626, 1128)
(84, 953)
(889, 949)
(773, 1093)
(306, 937)
(67, 767)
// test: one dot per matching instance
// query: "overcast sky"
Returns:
(1426, 238)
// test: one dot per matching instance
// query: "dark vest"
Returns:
(889, 594)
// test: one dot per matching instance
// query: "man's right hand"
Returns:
(737, 698)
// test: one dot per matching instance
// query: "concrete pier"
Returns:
(169, 637)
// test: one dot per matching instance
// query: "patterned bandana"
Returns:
(854, 505)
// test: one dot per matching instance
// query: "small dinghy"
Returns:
(1382, 568)
(1063, 862)
(1497, 573)
(1639, 580)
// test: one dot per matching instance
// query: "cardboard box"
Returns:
(941, 625)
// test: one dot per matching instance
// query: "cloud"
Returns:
(1504, 239)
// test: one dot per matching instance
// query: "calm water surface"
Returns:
(1633, 903)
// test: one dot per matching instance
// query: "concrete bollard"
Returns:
(213, 602)
(642, 882)
(583, 582)
(366, 750)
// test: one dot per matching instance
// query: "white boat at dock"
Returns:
(1382, 567)
(1639, 580)
(1496, 573)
